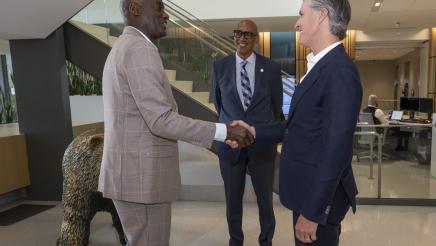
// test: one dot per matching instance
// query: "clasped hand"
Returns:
(240, 134)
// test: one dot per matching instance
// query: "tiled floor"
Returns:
(203, 224)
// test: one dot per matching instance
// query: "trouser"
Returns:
(262, 175)
(145, 224)
(328, 235)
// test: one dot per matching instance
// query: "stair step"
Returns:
(101, 33)
(202, 97)
(171, 74)
(112, 40)
(211, 107)
(185, 86)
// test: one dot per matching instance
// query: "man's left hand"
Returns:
(305, 230)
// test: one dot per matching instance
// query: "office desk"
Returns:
(419, 133)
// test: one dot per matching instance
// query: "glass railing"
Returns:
(189, 54)
(394, 160)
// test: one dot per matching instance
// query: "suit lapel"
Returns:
(232, 69)
(311, 78)
(258, 78)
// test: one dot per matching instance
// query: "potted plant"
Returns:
(86, 100)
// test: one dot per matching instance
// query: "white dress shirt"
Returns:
(312, 59)
(251, 65)
(221, 129)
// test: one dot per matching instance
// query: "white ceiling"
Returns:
(411, 14)
(33, 19)
(416, 14)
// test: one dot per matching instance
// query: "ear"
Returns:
(323, 14)
(134, 8)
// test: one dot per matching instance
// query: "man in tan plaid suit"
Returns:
(140, 168)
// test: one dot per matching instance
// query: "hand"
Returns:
(238, 136)
(234, 144)
(305, 230)
(245, 125)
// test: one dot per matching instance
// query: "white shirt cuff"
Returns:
(220, 132)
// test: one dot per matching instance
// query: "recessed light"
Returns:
(377, 5)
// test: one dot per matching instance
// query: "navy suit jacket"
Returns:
(265, 106)
(317, 138)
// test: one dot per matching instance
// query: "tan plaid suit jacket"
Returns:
(142, 126)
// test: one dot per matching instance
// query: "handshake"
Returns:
(239, 134)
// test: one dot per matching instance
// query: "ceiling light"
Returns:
(377, 5)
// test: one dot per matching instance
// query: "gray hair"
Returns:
(339, 15)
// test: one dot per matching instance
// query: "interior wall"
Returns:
(414, 58)
(377, 77)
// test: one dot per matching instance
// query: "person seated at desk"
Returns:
(377, 114)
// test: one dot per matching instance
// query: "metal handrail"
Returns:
(173, 5)
(212, 33)
(200, 38)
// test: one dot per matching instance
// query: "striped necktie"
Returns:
(245, 85)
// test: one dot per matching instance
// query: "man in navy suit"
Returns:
(247, 86)
(316, 177)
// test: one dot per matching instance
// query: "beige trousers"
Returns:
(145, 224)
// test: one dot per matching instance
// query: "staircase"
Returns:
(186, 87)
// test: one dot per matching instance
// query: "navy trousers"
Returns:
(262, 175)
(328, 235)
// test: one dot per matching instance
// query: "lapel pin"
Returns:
(261, 70)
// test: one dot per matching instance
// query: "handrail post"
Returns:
(379, 143)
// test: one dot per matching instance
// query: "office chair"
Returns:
(369, 140)
(366, 140)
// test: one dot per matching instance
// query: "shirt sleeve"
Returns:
(220, 132)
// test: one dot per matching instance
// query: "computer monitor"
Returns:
(397, 115)
(426, 105)
(409, 104)
(416, 104)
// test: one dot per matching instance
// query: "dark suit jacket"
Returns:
(317, 138)
(265, 107)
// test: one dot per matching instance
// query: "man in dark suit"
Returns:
(247, 86)
(316, 177)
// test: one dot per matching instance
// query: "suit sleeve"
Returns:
(341, 105)
(215, 90)
(269, 134)
(277, 93)
(144, 76)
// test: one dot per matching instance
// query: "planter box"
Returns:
(86, 109)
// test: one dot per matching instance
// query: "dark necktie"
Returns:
(245, 85)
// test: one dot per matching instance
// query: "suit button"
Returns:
(327, 209)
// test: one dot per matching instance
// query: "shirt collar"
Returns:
(142, 34)
(313, 59)
(251, 59)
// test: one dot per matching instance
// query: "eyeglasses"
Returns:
(239, 34)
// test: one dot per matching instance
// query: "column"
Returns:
(43, 110)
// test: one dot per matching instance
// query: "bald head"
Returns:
(372, 100)
(249, 24)
(146, 15)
